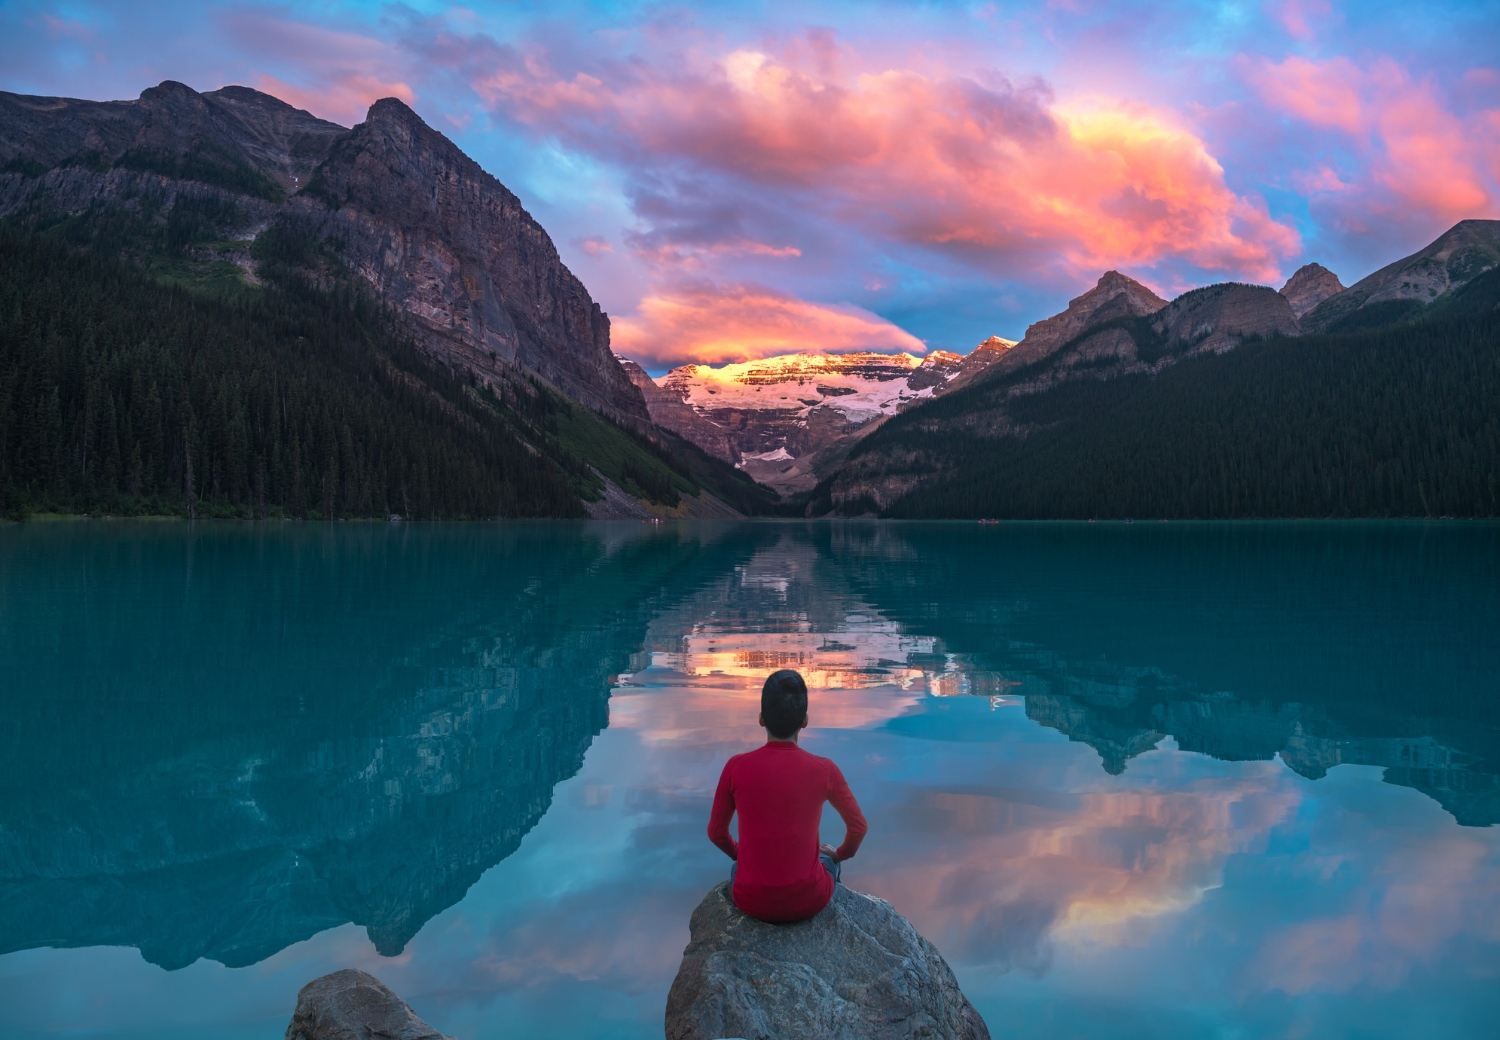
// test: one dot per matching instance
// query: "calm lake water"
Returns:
(1151, 780)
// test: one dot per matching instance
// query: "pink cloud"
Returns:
(1417, 156)
(1323, 93)
(1297, 16)
(666, 250)
(938, 161)
(344, 99)
(68, 28)
(1428, 897)
(709, 324)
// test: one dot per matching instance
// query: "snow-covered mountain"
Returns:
(777, 417)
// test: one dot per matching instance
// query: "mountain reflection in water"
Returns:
(219, 745)
(223, 740)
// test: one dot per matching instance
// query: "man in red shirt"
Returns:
(780, 873)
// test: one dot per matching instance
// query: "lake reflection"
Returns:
(1150, 780)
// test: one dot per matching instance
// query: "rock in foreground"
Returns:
(352, 1005)
(857, 971)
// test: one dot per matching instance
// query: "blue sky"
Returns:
(772, 177)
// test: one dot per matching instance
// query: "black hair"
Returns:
(783, 704)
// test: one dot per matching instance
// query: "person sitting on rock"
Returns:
(781, 873)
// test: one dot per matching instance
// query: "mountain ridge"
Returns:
(478, 277)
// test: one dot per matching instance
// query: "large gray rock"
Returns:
(856, 971)
(353, 1005)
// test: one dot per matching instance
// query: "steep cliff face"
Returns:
(417, 220)
(671, 412)
(1457, 257)
(452, 247)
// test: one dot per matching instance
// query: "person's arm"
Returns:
(723, 812)
(848, 810)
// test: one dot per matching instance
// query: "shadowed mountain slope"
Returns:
(1216, 405)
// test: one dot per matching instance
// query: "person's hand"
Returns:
(829, 851)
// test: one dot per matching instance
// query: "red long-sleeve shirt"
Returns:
(779, 791)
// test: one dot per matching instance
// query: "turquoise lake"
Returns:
(1134, 780)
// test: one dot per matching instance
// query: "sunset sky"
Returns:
(889, 176)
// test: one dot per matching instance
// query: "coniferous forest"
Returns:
(124, 394)
(1398, 421)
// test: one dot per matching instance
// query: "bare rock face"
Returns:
(1310, 286)
(1455, 258)
(979, 360)
(856, 971)
(671, 411)
(1115, 296)
(777, 418)
(1217, 317)
(444, 241)
(352, 1005)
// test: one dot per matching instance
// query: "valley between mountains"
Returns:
(219, 305)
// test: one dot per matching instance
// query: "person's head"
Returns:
(783, 704)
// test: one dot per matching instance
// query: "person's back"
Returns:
(778, 790)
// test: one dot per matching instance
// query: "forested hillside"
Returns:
(127, 393)
(1402, 420)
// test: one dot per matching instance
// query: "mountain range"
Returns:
(406, 341)
(1379, 399)
(1119, 328)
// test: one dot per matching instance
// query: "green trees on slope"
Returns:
(1398, 421)
(124, 395)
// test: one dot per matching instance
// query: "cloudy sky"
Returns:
(890, 176)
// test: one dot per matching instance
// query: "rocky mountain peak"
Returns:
(1455, 258)
(1310, 286)
(997, 343)
(1114, 296)
(1216, 318)
(449, 244)
(978, 360)
(235, 138)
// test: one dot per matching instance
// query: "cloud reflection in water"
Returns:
(1083, 873)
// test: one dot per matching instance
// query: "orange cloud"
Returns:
(1421, 157)
(711, 324)
(940, 162)
(1019, 870)
(345, 100)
